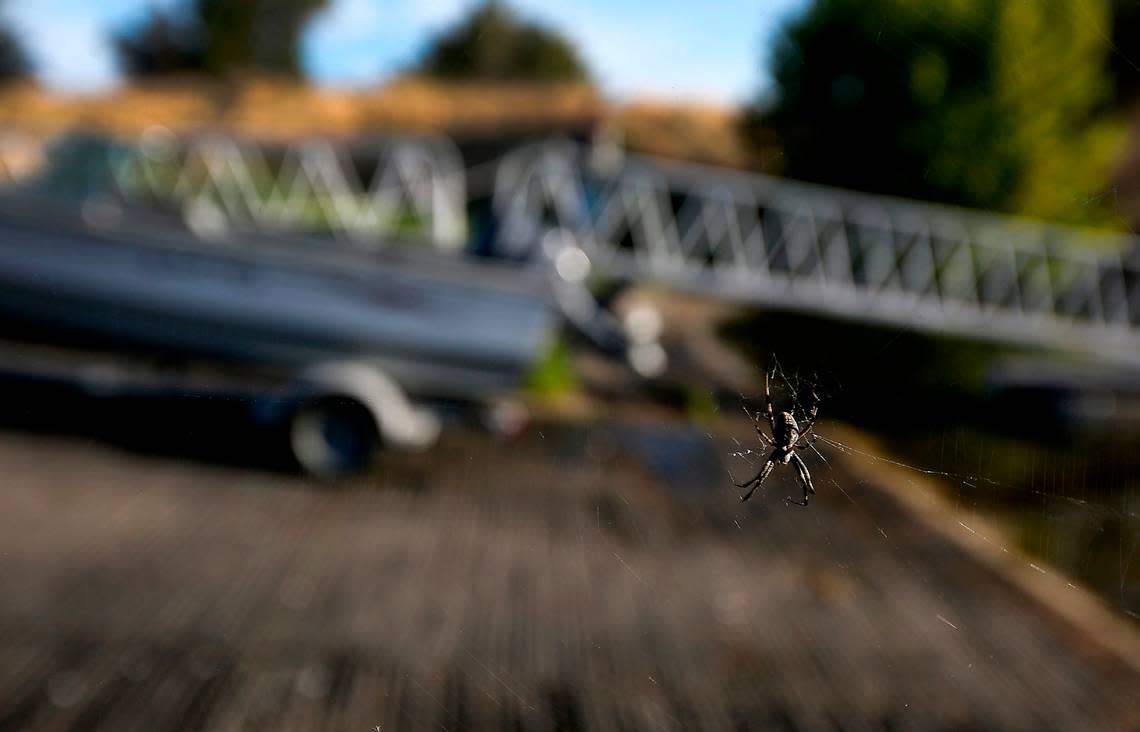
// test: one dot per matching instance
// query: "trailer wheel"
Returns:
(333, 436)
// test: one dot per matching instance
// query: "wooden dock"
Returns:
(559, 581)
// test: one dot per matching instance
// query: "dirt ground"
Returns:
(602, 578)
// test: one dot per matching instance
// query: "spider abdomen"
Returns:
(787, 432)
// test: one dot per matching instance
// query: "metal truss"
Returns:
(734, 236)
(411, 188)
(766, 241)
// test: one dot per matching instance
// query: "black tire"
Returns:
(333, 436)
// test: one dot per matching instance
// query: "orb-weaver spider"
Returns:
(785, 440)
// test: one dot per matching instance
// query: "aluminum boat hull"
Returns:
(439, 325)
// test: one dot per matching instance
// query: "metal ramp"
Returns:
(766, 241)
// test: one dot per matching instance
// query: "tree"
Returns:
(14, 64)
(161, 45)
(493, 43)
(989, 103)
(261, 35)
(219, 38)
(1124, 63)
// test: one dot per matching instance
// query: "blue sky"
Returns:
(670, 49)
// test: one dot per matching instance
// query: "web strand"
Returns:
(972, 481)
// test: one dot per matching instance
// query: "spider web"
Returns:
(1057, 492)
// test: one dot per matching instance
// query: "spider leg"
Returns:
(807, 440)
(758, 480)
(754, 478)
(769, 413)
(805, 479)
(764, 439)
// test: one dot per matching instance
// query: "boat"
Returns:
(437, 324)
(391, 326)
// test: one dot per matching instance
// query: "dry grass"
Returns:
(277, 109)
(699, 133)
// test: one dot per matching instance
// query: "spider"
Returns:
(785, 440)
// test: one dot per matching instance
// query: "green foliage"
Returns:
(701, 405)
(494, 44)
(255, 34)
(553, 374)
(995, 104)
